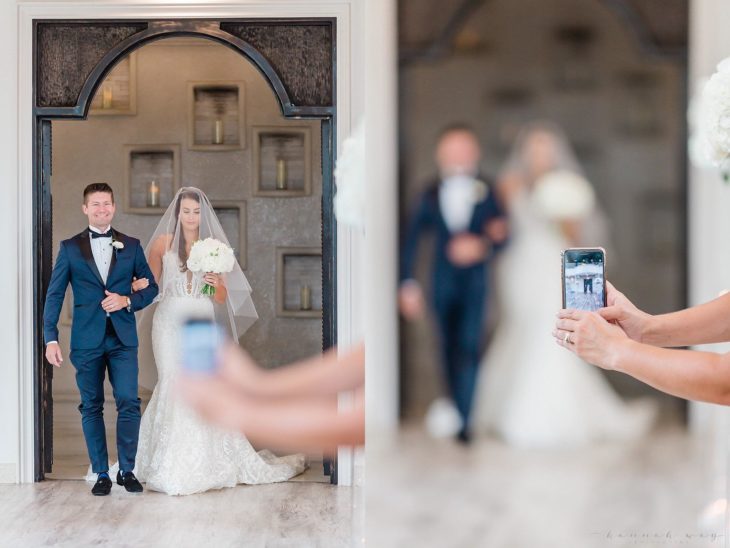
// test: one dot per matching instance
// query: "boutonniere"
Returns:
(481, 191)
(117, 245)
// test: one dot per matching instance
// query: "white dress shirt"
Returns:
(102, 250)
(456, 200)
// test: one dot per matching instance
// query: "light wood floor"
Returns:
(420, 493)
(65, 514)
(425, 493)
(305, 512)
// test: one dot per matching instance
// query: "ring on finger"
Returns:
(566, 339)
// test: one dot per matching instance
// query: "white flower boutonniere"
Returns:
(116, 244)
(481, 191)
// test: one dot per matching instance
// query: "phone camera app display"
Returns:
(584, 280)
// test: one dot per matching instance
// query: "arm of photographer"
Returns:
(290, 408)
(703, 324)
(700, 376)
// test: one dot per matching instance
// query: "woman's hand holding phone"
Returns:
(622, 311)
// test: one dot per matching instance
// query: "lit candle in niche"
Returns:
(305, 298)
(280, 174)
(218, 132)
(153, 195)
(106, 96)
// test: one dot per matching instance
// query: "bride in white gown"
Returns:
(531, 392)
(178, 453)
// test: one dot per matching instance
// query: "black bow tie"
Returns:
(94, 235)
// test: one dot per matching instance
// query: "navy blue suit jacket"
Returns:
(428, 217)
(75, 265)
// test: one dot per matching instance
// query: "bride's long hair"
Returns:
(182, 244)
(561, 154)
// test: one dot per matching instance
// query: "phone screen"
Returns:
(201, 339)
(584, 276)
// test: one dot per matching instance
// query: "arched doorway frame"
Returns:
(32, 161)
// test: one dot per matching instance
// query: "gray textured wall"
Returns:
(638, 179)
(93, 150)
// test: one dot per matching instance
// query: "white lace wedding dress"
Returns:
(178, 453)
(532, 392)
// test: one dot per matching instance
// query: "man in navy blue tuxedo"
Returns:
(100, 263)
(469, 225)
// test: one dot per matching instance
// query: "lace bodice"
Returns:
(177, 283)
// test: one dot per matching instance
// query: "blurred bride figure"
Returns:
(532, 393)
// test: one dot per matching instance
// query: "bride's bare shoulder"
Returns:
(162, 244)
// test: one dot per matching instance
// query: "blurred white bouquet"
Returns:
(350, 177)
(715, 123)
(564, 195)
(210, 255)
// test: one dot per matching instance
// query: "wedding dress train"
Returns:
(178, 453)
(532, 392)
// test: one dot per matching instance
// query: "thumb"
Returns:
(106, 291)
(134, 278)
(611, 313)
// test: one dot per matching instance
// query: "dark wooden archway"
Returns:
(297, 57)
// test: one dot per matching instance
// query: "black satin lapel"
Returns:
(115, 237)
(439, 213)
(85, 246)
(476, 215)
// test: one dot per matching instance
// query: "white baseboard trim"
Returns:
(8, 472)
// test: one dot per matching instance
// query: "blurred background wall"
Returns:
(94, 150)
(611, 73)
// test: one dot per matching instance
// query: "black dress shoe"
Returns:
(102, 487)
(463, 437)
(129, 482)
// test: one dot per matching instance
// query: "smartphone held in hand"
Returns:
(584, 278)
(201, 341)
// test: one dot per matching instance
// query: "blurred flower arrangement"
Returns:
(350, 180)
(563, 195)
(710, 118)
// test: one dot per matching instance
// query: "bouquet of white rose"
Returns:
(563, 195)
(210, 255)
(714, 116)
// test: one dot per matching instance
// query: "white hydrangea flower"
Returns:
(350, 179)
(715, 116)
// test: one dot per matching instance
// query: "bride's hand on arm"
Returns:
(139, 284)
